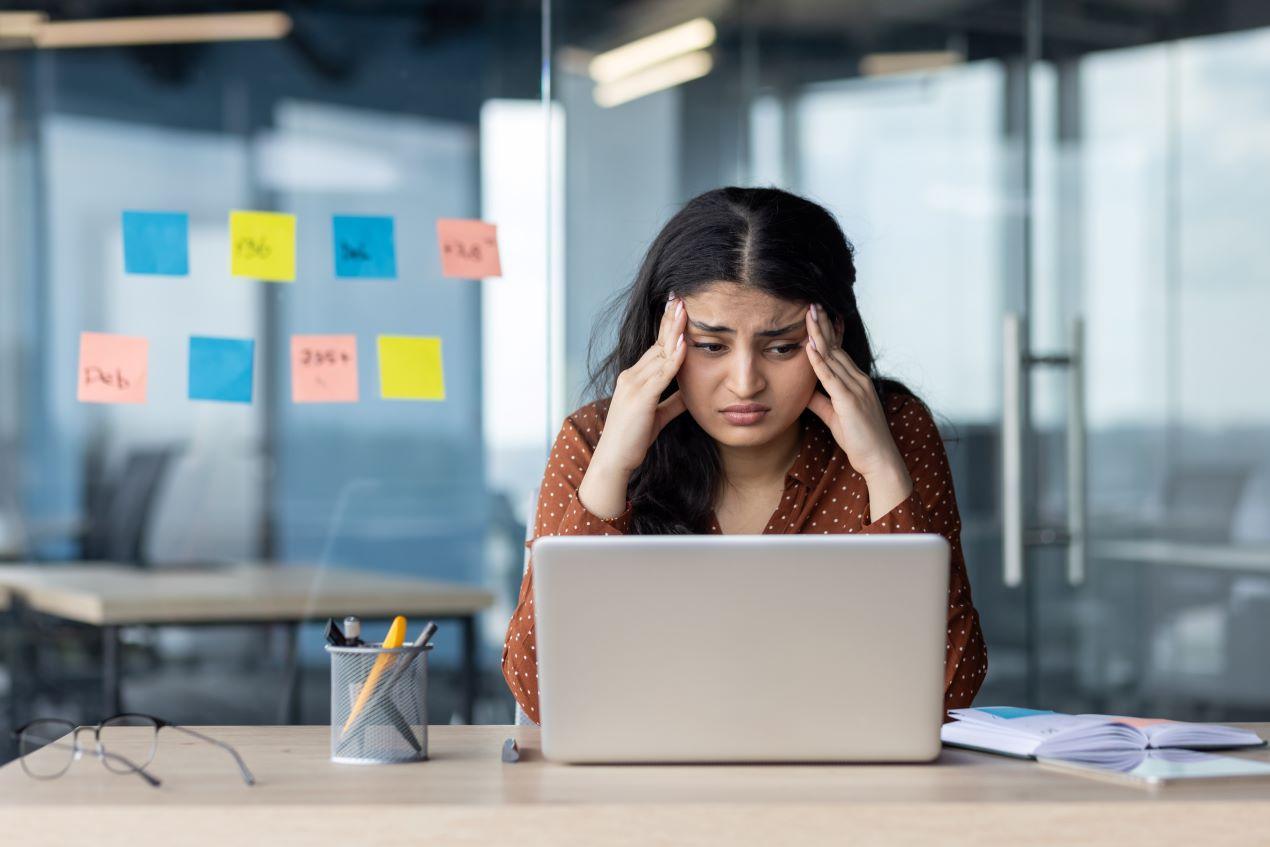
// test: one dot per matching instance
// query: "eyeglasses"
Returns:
(125, 744)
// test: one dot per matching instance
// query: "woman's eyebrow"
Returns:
(767, 333)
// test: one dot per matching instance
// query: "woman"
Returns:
(742, 398)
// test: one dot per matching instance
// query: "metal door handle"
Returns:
(1012, 410)
(1017, 362)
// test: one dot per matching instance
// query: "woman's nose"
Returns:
(745, 379)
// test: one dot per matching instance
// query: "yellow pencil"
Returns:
(395, 638)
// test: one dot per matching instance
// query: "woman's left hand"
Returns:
(852, 411)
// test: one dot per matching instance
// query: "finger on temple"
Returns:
(663, 327)
(676, 320)
(818, 337)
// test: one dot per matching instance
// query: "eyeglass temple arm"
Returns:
(248, 777)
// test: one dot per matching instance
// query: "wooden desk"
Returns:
(110, 596)
(466, 795)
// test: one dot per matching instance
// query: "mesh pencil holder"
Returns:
(379, 711)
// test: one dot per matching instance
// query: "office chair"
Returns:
(120, 513)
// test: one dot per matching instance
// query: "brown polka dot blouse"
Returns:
(823, 494)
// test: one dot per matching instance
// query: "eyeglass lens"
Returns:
(132, 739)
(47, 748)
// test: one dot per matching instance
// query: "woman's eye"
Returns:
(783, 349)
(708, 347)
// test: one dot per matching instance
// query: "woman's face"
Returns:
(745, 378)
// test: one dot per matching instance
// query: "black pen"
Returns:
(426, 635)
(334, 636)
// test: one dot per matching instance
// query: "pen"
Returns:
(420, 642)
(353, 631)
(396, 635)
(334, 636)
(426, 635)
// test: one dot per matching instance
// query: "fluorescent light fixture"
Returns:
(883, 64)
(166, 29)
(20, 26)
(697, 34)
(666, 75)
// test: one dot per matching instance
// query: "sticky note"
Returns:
(469, 249)
(262, 245)
(221, 369)
(410, 368)
(364, 247)
(112, 368)
(324, 368)
(156, 243)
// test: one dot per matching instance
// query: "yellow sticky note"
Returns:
(262, 245)
(410, 368)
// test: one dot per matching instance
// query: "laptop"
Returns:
(744, 648)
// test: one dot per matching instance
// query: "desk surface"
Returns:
(466, 794)
(107, 594)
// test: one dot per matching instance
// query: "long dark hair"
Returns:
(777, 242)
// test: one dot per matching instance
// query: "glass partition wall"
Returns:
(1054, 209)
(345, 114)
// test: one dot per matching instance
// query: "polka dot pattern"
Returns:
(823, 494)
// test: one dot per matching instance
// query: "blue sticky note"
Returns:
(156, 243)
(221, 369)
(1009, 712)
(364, 247)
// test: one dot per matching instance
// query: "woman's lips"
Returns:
(745, 414)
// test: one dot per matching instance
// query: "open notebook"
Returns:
(1029, 733)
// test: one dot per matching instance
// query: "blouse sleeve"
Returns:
(559, 512)
(932, 507)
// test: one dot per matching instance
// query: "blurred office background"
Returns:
(1096, 167)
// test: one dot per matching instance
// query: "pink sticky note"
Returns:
(469, 249)
(324, 368)
(112, 368)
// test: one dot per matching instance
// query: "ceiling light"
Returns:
(882, 64)
(167, 29)
(20, 26)
(666, 75)
(631, 58)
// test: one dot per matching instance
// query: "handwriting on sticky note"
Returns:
(112, 368)
(262, 245)
(353, 252)
(324, 368)
(410, 368)
(469, 249)
(248, 248)
(364, 246)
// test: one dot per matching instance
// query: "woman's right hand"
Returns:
(636, 415)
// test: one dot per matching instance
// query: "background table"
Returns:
(467, 795)
(110, 596)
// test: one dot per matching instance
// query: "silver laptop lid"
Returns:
(741, 648)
